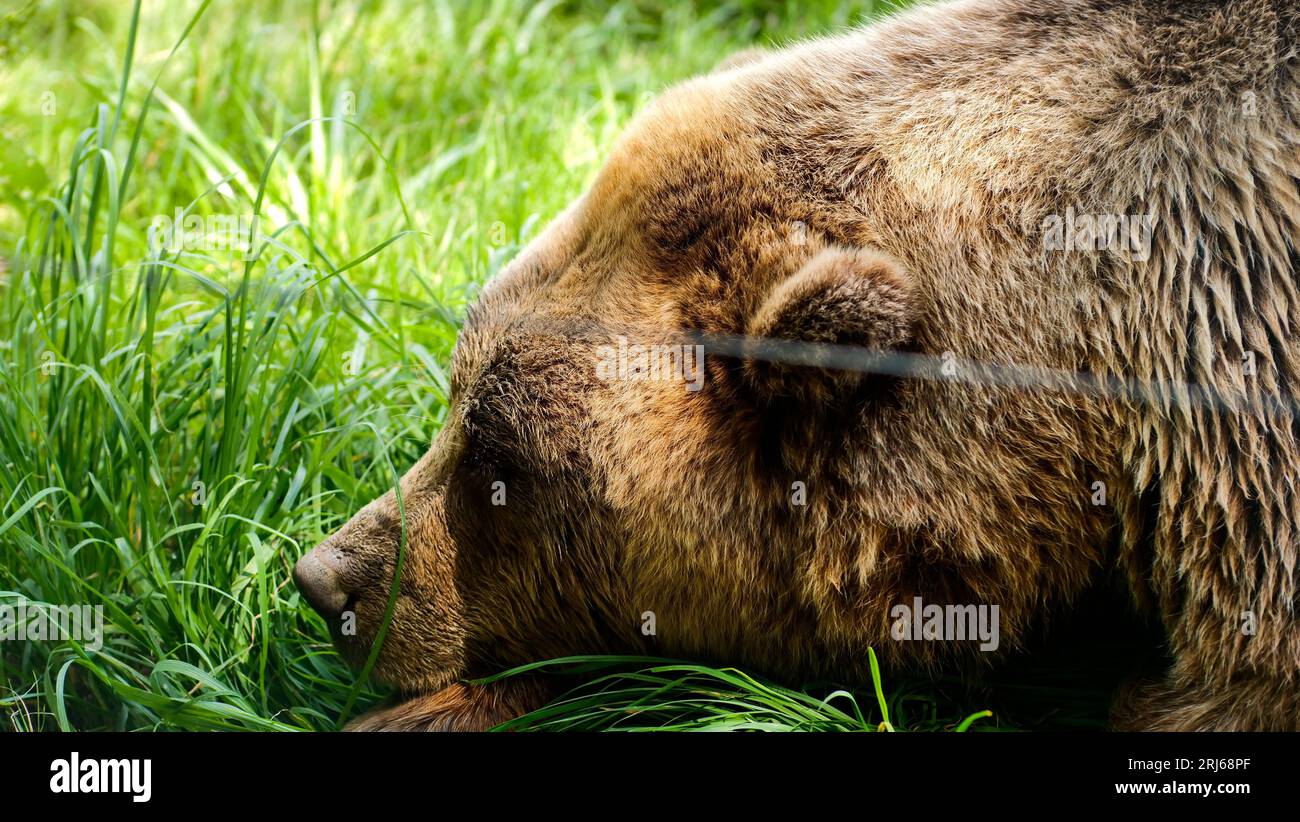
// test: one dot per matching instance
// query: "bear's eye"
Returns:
(492, 448)
(489, 488)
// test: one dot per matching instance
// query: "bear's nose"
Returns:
(315, 576)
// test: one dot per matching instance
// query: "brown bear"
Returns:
(994, 297)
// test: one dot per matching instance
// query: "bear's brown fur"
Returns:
(892, 188)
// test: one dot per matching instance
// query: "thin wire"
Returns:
(1163, 395)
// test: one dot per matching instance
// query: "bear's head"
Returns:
(607, 482)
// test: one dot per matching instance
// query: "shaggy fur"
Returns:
(889, 188)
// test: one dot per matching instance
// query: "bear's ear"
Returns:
(840, 297)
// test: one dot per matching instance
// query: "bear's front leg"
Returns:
(459, 707)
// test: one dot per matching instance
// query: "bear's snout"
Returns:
(318, 579)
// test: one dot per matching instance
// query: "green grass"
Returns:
(398, 154)
(646, 694)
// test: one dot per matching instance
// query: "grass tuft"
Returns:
(636, 693)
